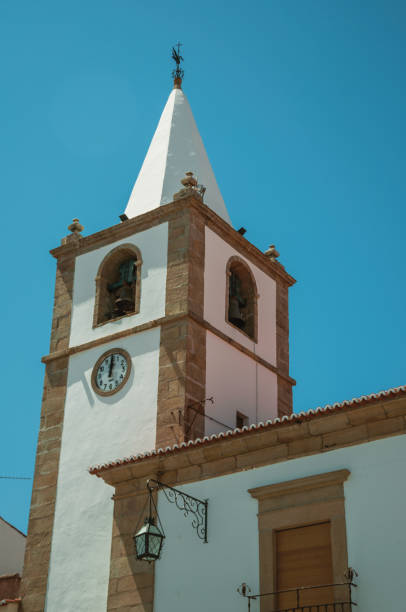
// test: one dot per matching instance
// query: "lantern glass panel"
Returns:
(148, 541)
(155, 543)
(140, 545)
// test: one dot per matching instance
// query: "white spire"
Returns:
(176, 148)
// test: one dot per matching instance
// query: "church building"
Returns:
(171, 472)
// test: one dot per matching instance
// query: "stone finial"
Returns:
(75, 227)
(190, 187)
(272, 253)
(189, 180)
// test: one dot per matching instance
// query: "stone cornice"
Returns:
(302, 435)
(163, 214)
(168, 319)
(292, 487)
(117, 232)
(211, 328)
(79, 348)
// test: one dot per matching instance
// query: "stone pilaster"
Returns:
(131, 584)
(285, 402)
(38, 548)
(182, 363)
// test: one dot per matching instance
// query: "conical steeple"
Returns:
(176, 148)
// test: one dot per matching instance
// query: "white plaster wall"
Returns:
(95, 430)
(218, 252)
(12, 547)
(153, 244)
(237, 383)
(200, 577)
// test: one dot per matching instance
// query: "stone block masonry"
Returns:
(182, 362)
(38, 548)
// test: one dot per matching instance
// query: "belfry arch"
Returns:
(241, 297)
(118, 284)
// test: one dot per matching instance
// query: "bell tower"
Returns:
(166, 327)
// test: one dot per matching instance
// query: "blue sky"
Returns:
(301, 107)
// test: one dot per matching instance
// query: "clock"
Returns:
(111, 371)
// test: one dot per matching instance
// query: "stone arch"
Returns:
(118, 284)
(241, 297)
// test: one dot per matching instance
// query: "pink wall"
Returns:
(235, 380)
(218, 253)
(237, 383)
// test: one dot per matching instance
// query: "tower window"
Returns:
(118, 285)
(241, 307)
(240, 420)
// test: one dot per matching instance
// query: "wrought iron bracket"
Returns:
(187, 504)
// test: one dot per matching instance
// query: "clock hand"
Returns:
(111, 366)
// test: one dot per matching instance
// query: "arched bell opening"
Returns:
(118, 284)
(242, 296)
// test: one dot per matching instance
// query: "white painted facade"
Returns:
(237, 382)
(153, 245)
(193, 575)
(175, 149)
(97, 429)
(12, 548)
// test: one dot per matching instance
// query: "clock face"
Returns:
(111, 372)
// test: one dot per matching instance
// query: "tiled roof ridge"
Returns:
(294, 417)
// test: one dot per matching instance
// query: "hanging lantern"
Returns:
(149, 539)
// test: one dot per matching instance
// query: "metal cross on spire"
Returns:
(177, 73)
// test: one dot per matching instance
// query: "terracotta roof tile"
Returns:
(298, 417)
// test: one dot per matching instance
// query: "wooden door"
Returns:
(303, 558)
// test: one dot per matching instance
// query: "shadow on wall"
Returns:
(106, 399)
(131, 580)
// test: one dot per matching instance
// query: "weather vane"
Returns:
(176, 56)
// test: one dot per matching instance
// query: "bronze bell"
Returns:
(124, 301)
(235, 316)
